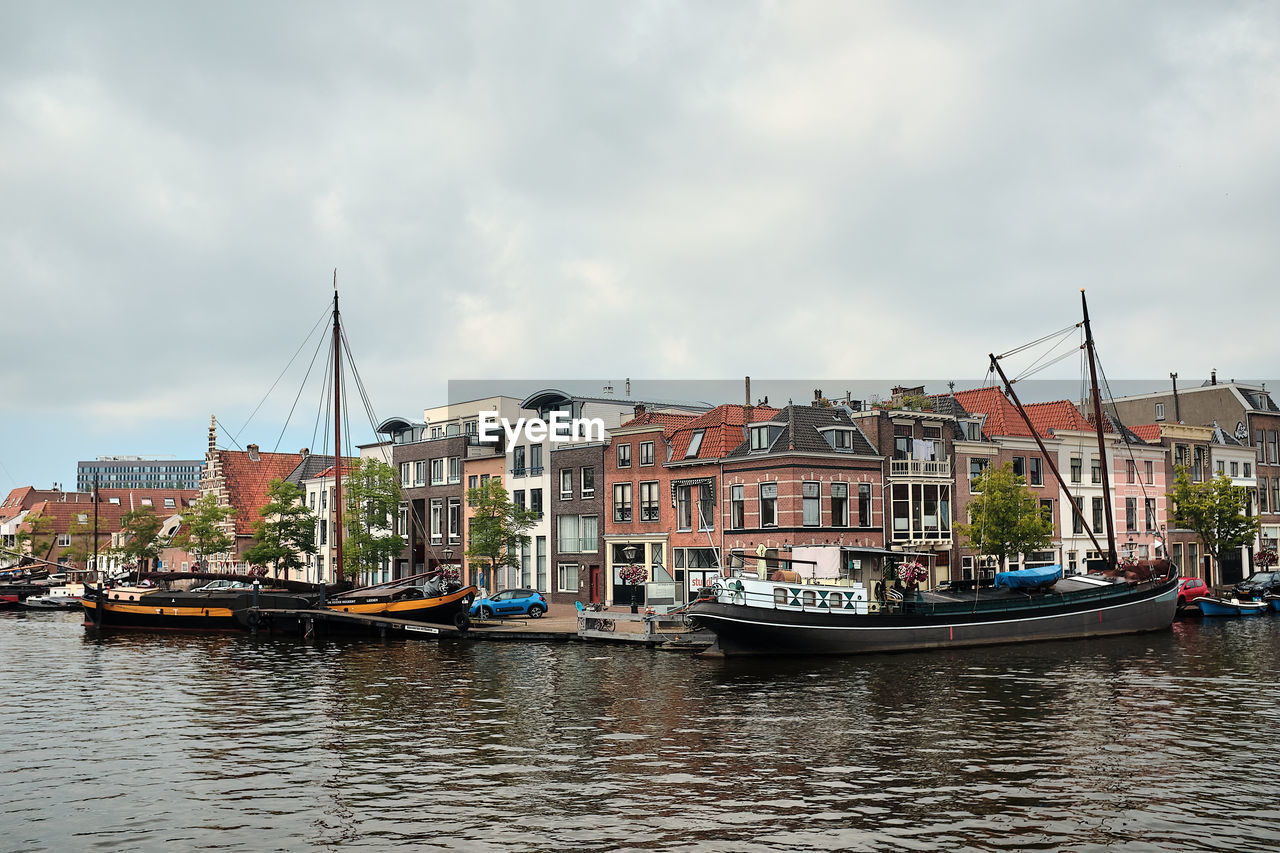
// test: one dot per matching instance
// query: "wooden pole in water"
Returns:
(337, 432)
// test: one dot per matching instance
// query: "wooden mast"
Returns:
(337, 433)
(1102, 445)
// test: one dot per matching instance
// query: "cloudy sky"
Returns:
(791, 190)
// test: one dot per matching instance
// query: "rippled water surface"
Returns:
(148, 741)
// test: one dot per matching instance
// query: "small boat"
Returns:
(433, 601)
(8, 601)
(57, 598)
(1229, 606)
(1274, 602)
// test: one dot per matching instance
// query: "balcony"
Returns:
(940, 468)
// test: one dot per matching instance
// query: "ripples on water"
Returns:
(146, 741)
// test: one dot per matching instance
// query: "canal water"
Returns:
(149, 742)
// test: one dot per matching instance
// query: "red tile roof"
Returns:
(722, 430)
(1056, 414)
(1002, 416)
(1149, 433)
(247, 482)
(667, 420)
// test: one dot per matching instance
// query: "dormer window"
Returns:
(760, 437)
(841, 439)
(694, 443)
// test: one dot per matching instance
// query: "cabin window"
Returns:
(809, 598)
(836, 600)
(779, 596)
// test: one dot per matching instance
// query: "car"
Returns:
(510, 602)
(1189, 589)
(1259, 584)
(221, 585)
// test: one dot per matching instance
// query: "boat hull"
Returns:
(178, 611)
(1223, 607)
(746, 629)
(439, 610)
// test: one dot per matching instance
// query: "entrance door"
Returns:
(1232, 568)
(595, 585)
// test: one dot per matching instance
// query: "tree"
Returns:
(202, 533)
(1215, 511)
(497, 527)
(1005, 518)
(284, 532)
(82, 538)
(371, 491)
(35, 536)
(141, 529)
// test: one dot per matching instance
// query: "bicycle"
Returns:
(598, 624)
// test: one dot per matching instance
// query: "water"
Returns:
(148, 742)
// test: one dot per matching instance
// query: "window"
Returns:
(737, 508)
(1273, 444)
(64, 540)
(1019, 467)
(405, 474)
(1248, 470)
(517, 498)
(471, 428)
(588, 482)
(768, 504)
(420, 473)
(684, 510)
(864, 504)
(695, 442)
(1131, 471)
(455, 519)
(1177, 556)
(1072, 562)
(437, 472)
(624, 455)
(1149, 471)
(621, 501)
(1046, 509)
(169, 503)
(1077, 517)
(566, 484)
(902, 441)
(535, 460)
(1262, 494)
(1033, 470)
(839, 504)
(760, 438)
(473, 481)
(1199, 465)
(540, 543)
(811, 494)
(1150, 505)
(649, 501)
(1258, 442)
(977, 467)
(455, 469)
(1159, 411)
(567, 577)
(535, 501)
(1235, 469)
(1076, 465)
(706, 507)
(646, 453)
(1095, 470)
(1097, 514)
(1221, 467)
(402, 521)
(1130, 514)
(517, 461)
(437, 520)
(841, 439)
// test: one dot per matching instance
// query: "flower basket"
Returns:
(1266, 558)
(633, 574)
(912, 573)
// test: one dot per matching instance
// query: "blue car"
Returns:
(510, 602)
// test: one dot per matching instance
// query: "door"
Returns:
(1232, 568)
(595, 582)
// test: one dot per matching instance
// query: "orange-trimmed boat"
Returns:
(433, 601)
(150, 608)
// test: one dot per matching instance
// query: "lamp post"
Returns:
(629, 552)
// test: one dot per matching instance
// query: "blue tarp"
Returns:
(1028, 578)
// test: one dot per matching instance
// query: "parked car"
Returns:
(215, 586)
(1189, 589)
(1259, 584)
(510, 602)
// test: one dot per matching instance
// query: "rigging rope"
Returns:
(283, 372)
(1038, 341)
(298, 396)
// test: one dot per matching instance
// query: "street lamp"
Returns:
(630, 552)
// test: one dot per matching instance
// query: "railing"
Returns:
(920, 467)
(517, 472)
(578, 545)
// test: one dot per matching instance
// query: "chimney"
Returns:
(1213, 376)
(628, 387)
(748, 396)
(304, 452)
(213, 433)
(640, 409)
(254, 456)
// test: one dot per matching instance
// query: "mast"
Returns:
(102, 581)
(1102, 445)
(1048, 457)
(337, 432)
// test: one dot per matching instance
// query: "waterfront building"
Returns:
(138, 472)
(1244, 410)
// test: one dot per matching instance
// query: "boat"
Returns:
(9, 601)
(435, 600)
(778, 612)
(1274, 602)
(152, 608)
(66, 597)
(1229, 606)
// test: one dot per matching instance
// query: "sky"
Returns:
(544, 191)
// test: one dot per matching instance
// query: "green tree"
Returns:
(1215, 511)
(371, 491)
(141, 529)
(202, 533)
(1004, 517)
(82, 538)
(285, 532)
(497, 527)
(35, 536)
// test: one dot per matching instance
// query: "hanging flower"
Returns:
(1128, 562)
(450, 574)
(912, 572)
(633, 574)
(1266, 558)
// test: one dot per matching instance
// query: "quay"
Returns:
(664, 631)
